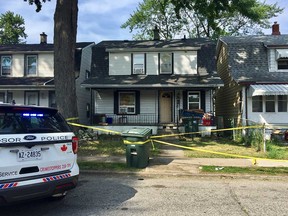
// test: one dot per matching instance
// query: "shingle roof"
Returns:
(206, 65)
(248, 58)
(35, 47)
(26, 81)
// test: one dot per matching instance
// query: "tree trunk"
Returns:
(65, 30)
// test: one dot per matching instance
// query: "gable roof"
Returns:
(248, 58)
(205, 61)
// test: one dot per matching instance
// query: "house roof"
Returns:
(205, 61)
(35, 47)
(26, 82)
(248, 58)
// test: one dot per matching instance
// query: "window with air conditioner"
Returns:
(127, 102)
(139, 63)
(6, 65)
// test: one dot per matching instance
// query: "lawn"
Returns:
(202, 147)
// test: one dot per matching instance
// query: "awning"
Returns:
(281, 53)
(276, 89)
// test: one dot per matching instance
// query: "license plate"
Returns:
(26, 155)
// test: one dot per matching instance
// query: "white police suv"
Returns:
(37, 153)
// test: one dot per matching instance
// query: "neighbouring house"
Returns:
(27, 72)
(150, 83)
(254, 70)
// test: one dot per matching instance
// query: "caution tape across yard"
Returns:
(153, 139)
(94, 128)
(254, 159)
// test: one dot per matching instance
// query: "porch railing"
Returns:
(144, 119)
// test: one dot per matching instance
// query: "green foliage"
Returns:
(246, 170)
(151, 14)
(37, 3)
(201, 18)
(12, 28)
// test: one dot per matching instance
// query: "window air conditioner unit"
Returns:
(138, 71)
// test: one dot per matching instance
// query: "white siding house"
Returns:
(254, 70)
(150, 83)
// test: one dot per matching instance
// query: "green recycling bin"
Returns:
(137, 146)
(191, 125)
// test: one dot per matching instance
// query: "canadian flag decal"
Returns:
(64, 148)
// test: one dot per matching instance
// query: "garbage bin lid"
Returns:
(137, 132)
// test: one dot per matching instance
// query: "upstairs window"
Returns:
(194, 100)
(166, 63)
(31, 65)
(6, 65)
(282, 59)
(127, 103)
(138, 63)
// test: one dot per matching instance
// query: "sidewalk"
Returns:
(171, 161)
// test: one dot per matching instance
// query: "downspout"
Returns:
(246, 103)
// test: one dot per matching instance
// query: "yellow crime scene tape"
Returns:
(94, 128)
(152, 138)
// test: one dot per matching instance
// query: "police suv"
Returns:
(38, 153)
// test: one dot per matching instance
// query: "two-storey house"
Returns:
(254, 70)
(150, 82)
(27, 72)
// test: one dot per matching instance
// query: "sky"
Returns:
(97, 19)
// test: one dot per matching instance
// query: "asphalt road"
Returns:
(115, 194)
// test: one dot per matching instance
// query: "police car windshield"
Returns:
(32, 122)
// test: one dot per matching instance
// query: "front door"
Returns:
(165, 107)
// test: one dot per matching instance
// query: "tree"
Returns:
(153, 13)
(65, 31)
(12, 28)
(206, 18)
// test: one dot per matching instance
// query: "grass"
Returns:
(246, 170)
(113, 145)
(104, 145)
(222, 145)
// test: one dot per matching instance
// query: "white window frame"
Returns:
(190, 93)
(28, 67)
(166, 62)
(10, 66)
(126, 108)
(138, 63)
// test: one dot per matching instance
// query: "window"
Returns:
(282, 103)
(127, 102)
(9, 98)
(6, 65)
(52, 99)
(165, 63)
(282, 64)
(139, 63)
(257, 104)
(31, 65)
(270, 103)
(32, 98)
(193, 100)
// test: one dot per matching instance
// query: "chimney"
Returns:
(156, 33)
(43, 38)
(275, 29)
